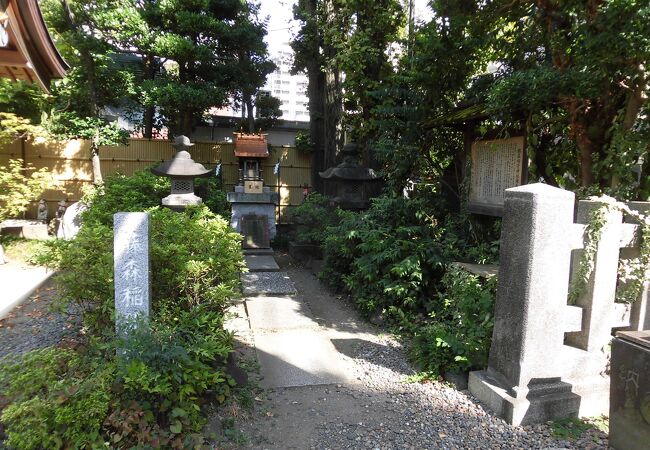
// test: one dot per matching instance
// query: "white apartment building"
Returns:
(290, 89)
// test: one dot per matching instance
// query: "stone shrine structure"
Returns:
(253, 204)
(131, 266)
(182, 170)
(548, 358)
(350, 180)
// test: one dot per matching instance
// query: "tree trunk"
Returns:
(149, 111)
(186, 123)
(251, 115)
(316, 94)
(333, 113)
(636, 99)
(97, 169)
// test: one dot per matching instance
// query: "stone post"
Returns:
(587, 348)
(131, 257)
(522, 383)
(640, 310)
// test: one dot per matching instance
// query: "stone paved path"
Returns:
(335, 382)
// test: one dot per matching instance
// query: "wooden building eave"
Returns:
(30, 53)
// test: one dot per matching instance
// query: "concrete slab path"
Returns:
(261, 263)
(292, 348)
(333, 381)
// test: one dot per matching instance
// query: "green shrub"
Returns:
(304, 143)
(213, 195)
(19, 186)
(458, 333)
(195, 258)
(394, 259)
(167, 371)
(55, 398)
(121, 193)
(312, 218)
(394, 255)
(168, 368)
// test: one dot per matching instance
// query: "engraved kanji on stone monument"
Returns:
(131, 257)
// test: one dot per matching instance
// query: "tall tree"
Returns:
(93, 82)
(307, 45)
(253, 63)
(343, 46)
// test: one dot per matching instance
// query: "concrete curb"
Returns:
(6, 308)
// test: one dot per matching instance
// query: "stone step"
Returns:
(258, 251)
(261, 263)
(267, 283)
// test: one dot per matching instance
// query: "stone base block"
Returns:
(35, 232)
(594, 395)
(545, 401)
(179, 202)
(304, 252)
(27, 229)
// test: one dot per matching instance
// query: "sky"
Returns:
(281, 26)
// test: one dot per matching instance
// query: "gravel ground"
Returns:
(381, 409)
(32, 325)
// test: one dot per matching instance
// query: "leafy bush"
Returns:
(393, 256)
(303, 142)
(165, 373)
(120, 193)
(195, 256)
(213, 195)
(54, 398)
(312, 218)
(166, 369)
(18, 187)
(394, 259)
(458, 332)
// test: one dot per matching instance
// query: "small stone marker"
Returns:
(131, 256)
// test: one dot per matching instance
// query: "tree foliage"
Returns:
(20, 185)
(571, 75)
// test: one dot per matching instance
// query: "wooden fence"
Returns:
(71, 166)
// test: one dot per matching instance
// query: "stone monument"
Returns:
(549, 355)
(70, 222)
(131, 266)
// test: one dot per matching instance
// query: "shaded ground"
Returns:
(33, 325)
(378, 408)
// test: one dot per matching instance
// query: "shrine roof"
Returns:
(251, 145)
(26, 48)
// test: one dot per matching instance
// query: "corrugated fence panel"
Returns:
(71, 166)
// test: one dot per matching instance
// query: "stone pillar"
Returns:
(132, 272)
(522, 383)
(640, 309)
(587, 347)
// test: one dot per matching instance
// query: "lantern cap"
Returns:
(182, 164)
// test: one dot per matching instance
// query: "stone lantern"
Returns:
(182, 170)
(350, 180)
